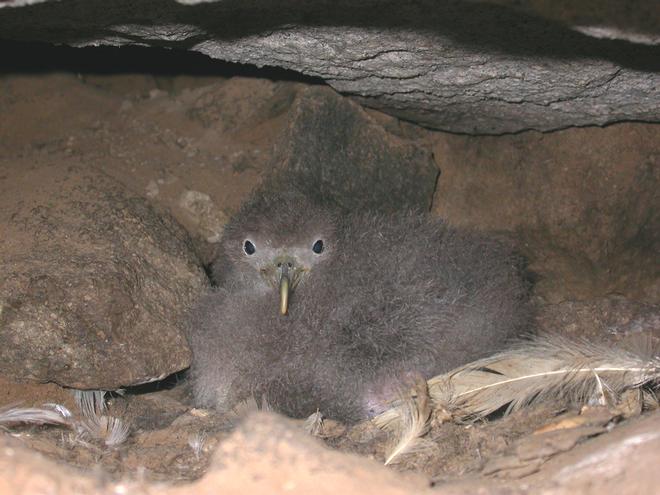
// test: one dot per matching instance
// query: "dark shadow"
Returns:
(167, 383)
(38, 57)
(208, 271)
(485, 27)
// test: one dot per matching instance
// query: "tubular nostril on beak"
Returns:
(285, 262)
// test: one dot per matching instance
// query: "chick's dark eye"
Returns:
(318, 247)
(249, 248)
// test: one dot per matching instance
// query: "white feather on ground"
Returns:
(314, 424)
(196, 442)
(108, 429)
(543, 368)
(90, 402)
(32, 415)
(411, 422)
(546, 367)
(92, 423)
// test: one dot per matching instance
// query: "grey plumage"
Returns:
(389, 297)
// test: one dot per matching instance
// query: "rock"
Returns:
(465, 66)
(583, 202)
(268, 454)
(271, 454)
(152, 189)
(349, 157)
(94, 280)
(621, 462)
(207, 218)
(238, 103)
(609, 318)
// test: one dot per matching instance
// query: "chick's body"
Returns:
(386, 296)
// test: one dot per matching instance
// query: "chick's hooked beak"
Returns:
(284, 288)
(288, 274)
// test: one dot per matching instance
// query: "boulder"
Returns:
(333, 146)
(93, 281)
(582, 202)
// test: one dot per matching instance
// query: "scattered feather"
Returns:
(390, 418)
(314, 424)
(115, 431)
(599, 397)
(94, 424)
(247, 406)
(33, 416)
(60, 408)
(90, 402)
(542, 368)
(196, 443)
(548, 367)
(111, 431)
(75, 439)
(413, 421)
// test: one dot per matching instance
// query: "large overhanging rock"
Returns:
(470, 67)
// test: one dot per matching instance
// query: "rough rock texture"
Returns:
(466, 67)
(334, 146)
(584, 204)
(620, 462)
(93, 280)
(203, 136)
(269, 454)
(612, 318)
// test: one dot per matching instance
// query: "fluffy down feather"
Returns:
(389, 297)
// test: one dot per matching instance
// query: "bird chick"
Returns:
(318, 310)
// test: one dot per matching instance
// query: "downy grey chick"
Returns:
(320, 310)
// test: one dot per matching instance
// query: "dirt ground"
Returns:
(194, 146)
